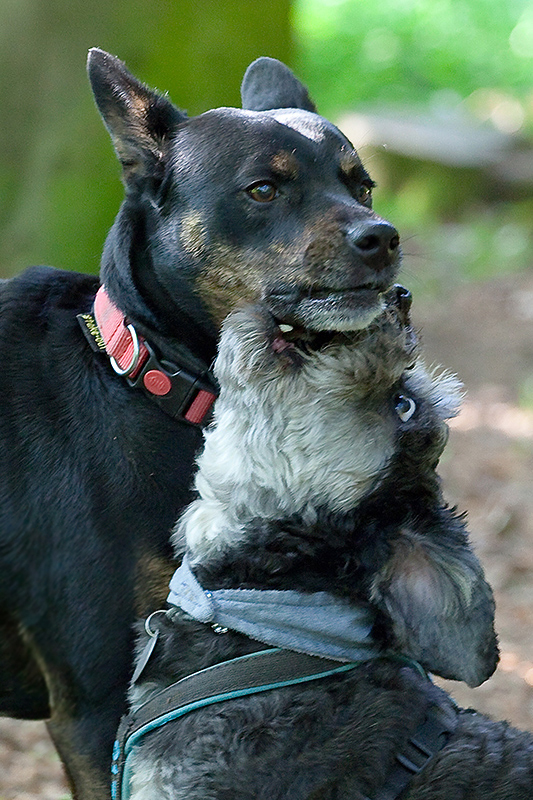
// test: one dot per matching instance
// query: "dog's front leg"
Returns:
(440, 606)
(84, 743)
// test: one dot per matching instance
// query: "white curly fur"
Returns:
(316, 434)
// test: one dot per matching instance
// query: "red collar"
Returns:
(177, 391)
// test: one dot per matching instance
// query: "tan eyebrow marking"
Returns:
(285, 164)
(349, 162)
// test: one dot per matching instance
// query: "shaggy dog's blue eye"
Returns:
(405, 407)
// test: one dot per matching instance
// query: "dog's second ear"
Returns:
(139, 120)
(442, 610)
(269, 84)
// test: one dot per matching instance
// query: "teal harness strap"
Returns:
(246, 675)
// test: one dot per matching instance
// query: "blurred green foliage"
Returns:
(468, 58)
(409, 51)
(59, 179)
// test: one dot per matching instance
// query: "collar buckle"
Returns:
(176, 391)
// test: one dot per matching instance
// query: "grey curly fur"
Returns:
(335, 739)
(308, 444)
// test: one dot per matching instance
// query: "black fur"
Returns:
(286, 91)
(344, 553)
(400, 548)
(93, 474)
(280, 511)
(331, 740)
(92, 477)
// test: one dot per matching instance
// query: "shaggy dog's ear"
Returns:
(441, 608)
(139, 120)
(269, 84)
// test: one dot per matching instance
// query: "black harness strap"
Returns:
(256, 672)
(431, 735)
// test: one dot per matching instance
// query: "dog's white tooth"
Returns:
(286, 328)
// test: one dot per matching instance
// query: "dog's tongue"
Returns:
(290, 342)
(280, 344)
(284, 338)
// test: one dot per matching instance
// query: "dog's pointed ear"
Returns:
(139, 120)
(268, 84)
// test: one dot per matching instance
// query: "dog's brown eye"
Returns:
(405, 407)
(263, 192)
(364, 193)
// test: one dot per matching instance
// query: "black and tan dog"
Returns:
(268, 203)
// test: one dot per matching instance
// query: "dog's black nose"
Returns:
(376, 242)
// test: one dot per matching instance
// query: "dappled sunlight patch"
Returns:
(29, 766)
(515, 422)
(511, 662)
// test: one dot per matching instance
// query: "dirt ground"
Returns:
(485, 334)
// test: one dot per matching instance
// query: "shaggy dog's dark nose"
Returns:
(376, 242)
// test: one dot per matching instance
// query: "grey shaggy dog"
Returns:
(318, 474)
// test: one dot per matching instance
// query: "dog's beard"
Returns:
(349, 310)
(344, 313)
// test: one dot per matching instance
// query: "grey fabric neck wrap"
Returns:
(317, 624)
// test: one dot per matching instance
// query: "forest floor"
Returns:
(484, 333)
